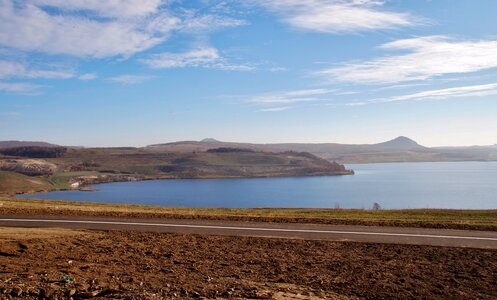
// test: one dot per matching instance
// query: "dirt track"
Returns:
(138, 265)
(371, 234)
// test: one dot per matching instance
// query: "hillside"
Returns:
(79, 167)
(12, 183)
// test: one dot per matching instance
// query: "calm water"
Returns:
(398, 185)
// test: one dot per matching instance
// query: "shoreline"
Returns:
(85, 186)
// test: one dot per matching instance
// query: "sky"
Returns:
(139, 72)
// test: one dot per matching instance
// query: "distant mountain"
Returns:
(400, 149)
(13, 144)
(209, 140)
(400, 142)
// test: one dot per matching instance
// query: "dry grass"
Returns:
(407, 216)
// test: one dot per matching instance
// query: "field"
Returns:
(56, 264)
(442, 218)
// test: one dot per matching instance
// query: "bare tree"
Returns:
(376, 206)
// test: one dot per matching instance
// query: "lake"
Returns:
(470, 185)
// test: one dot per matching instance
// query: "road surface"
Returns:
(372, 234)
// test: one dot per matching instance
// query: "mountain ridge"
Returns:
(399, 149)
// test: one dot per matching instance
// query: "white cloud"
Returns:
(276, 109)
(464, 91)
(98, 29)
(439, 94)
(130, 79)
(88, 76)
(428, 57)
(206, 57)
(10, 69)
(337, 16)
(20, 87)
(292, 96)
(28, 27)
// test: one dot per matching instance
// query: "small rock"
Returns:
(16, 291)
(195, 294)
(71, 292)
(88, 294)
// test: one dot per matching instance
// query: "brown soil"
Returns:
(137, 265)
(10, 211)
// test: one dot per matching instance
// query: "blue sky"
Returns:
(137, 72)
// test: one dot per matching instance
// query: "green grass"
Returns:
(407, 216)
(61, 180)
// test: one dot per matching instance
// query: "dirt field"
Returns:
(57, 264)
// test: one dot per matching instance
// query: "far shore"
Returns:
(85, 185)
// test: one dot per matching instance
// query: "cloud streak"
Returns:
(337, 16)
(276, 109)
(309, 95)
(130, 79)
(428, 57)
(20, 87)
(88, 76)
(206, 57)
(439, 94)
(10, 69)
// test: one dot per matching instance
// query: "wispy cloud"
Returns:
(20, 87)
(131, 79)
(337, 16)
(276, 109)
(29, 26)
(439, 94)
(88, 76)
(205, 57)
(99, 29)
(208, 23)
(9, 69)
(429, 57)
(292, 96)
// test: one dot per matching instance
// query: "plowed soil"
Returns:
(53, 264)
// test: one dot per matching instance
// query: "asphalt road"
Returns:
(372, 234)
